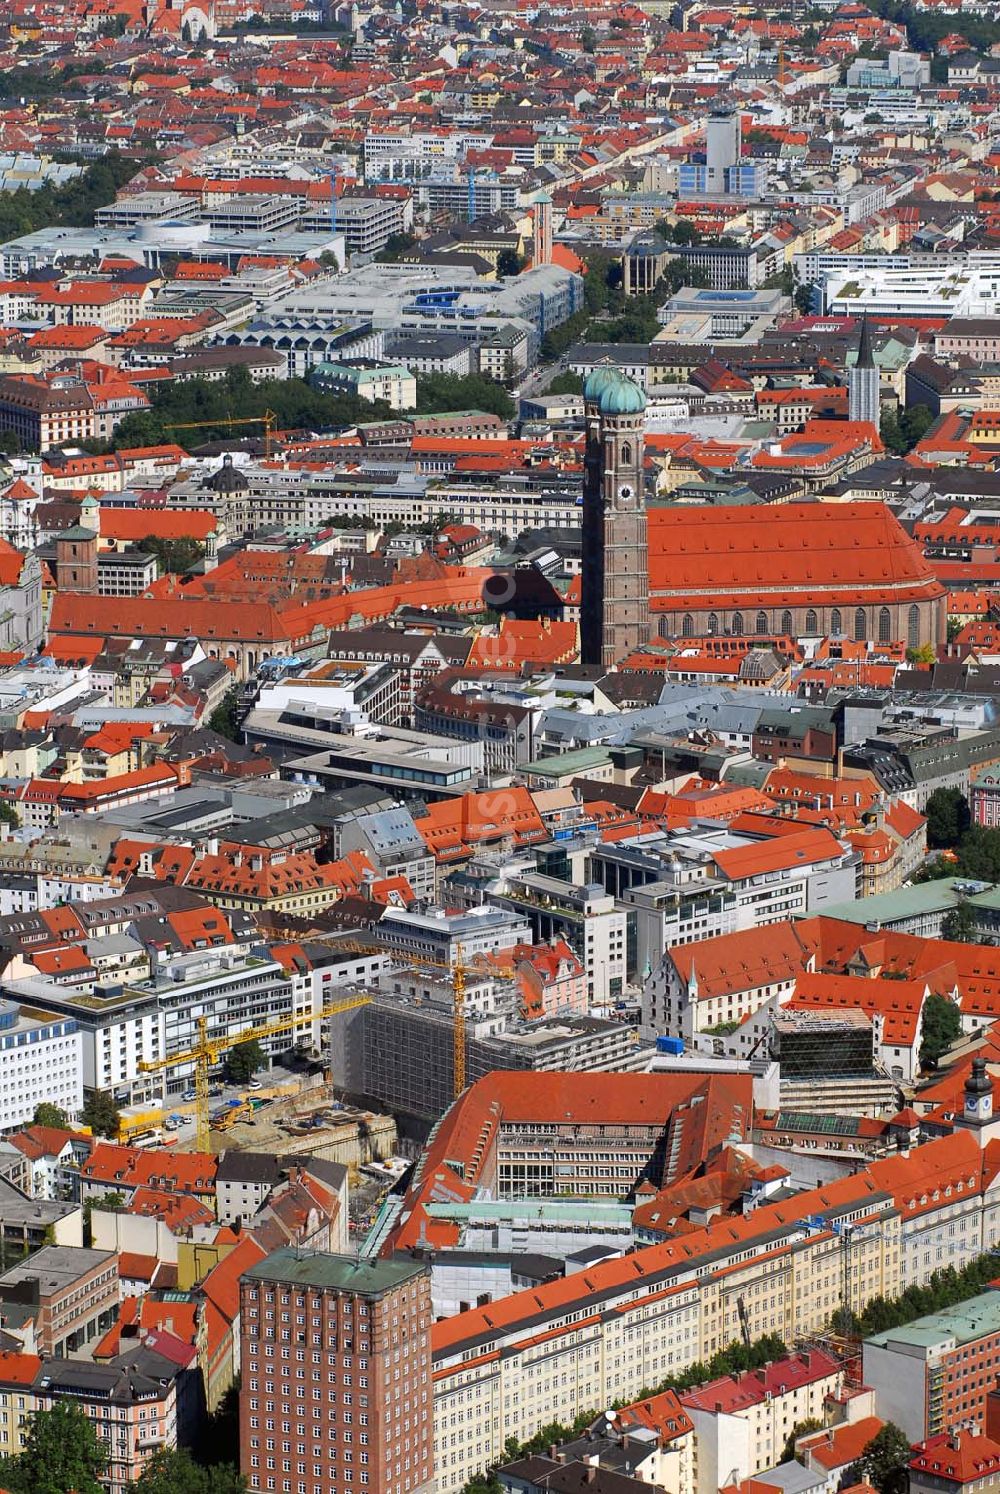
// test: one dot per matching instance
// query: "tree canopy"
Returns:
(100, 1113)
(608, 315)
(225, 719)
(800, 1429)
(296, 404)
(566, 382)
(47, 1114)
(177, 556)
(901, 430)
(73, 204)
(733, 1359)
(943, 1289)
(440, 392)
(976, 856)
(942, 1025)
(62, 1455)
(172, 1470)
(212, 405)
(243, 1061)
(948, 817)
(884, 1461)
(924, 29)
(959, 924)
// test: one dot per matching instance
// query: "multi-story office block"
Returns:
(336, 1390)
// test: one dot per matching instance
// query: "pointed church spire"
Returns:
(863, 393)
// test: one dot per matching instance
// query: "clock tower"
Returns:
(615, 580)
(977, 1109)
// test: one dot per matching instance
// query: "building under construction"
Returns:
(398, 1052)
(827, 1063)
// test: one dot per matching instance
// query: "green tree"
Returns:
(297, 405)
(10, 442)
(47, 1114)
(884, 1461)
(509, 262)
(979, 854)
(902, 429)
(800, 1429)
(958, 925)
(945, 1288)
(100, 1113)
(942, 1021)
(566, 382)
(934, 871)
(396, 245)
(75, 202)
(803, 299)
(684, 232)
(925, 653)
(174, 556)
(917, 421)
(784, 281)
(243, 1061)
(225, 719)
(437, 394)
(588, 39)
(172, 1470)
(9, 815)
(948, 818)
(62, 1454)
(733, 1359)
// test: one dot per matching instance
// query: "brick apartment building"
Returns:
(336, 1391)
(936, 1372)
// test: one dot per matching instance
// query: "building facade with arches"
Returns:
(798, 569)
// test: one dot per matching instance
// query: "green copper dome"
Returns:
(623, 397)
(598, 380)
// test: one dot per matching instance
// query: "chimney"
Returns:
(591, 1473)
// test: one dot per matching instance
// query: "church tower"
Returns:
(541, 220)
(615, 580)
(978, 1103)
(76, 560)
(978, 1115)
(863, 381)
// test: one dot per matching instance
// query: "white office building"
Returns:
(40, 1061)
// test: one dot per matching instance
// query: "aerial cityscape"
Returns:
(499, 747)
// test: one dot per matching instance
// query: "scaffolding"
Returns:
(822, 1045)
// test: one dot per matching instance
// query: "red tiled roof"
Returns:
(838, 1447)
(958, 1458)
(726, 553)
(735, 1393)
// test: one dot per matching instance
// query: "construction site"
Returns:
(828, 1063)
(311, 1124)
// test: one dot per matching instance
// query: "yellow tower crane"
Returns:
(459, 972)
(208, 1050)
(268, 420)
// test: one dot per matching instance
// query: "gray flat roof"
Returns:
(56, 1266)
